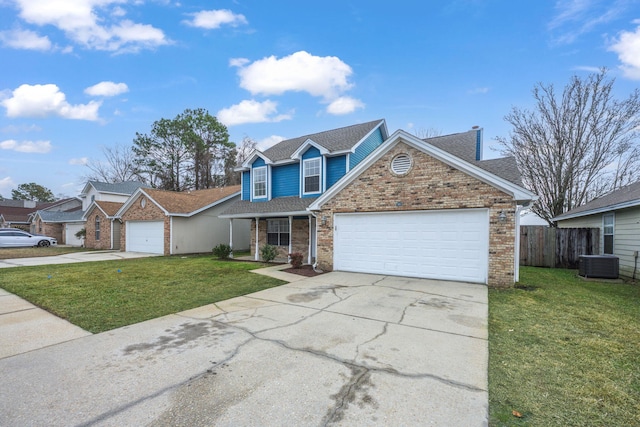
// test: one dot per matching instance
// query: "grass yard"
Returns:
(564, 352)
(99, 296)
(10, 253)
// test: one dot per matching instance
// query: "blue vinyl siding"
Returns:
(246, 185)
(336, 169)
(285, 180)
(258, 162)
(366, 147)
(311, 153)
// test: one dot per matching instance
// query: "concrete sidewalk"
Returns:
(25, 327)
(73, 258)
(337, 349)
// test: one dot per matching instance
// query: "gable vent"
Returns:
(401, 164)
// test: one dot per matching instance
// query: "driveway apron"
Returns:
(337, 349)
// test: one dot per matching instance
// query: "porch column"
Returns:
(231, 236)
(290, 238)
(257, 256)
(310, 231)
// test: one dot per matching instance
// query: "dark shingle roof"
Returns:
(281, 205)
(628, 195)
(463, 146)
(333, 140)
(55, 216)
(127, 187)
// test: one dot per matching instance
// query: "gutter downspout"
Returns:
(315, 263)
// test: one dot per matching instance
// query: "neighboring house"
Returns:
(280, 183)
(400, 206)
(16, 213)
(108, 192)
(102, 226)
(528, 217)
(617, 215)
(169, 222)
(61, 225)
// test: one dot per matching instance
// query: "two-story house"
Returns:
(357, 199)
(280, 183)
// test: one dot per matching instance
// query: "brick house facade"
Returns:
(146, 211)
(429, 185)
(299, 238)
(101, 226)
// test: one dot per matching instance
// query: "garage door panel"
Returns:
(448, 245)
(145, 236)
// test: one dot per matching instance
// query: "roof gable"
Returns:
(125, 188)
(517, 192)
(332, 141)
(186, 203)
(625, 197)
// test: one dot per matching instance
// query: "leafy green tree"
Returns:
(577, 145)
(183, 153)
(32, 191)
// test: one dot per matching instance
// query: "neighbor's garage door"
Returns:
(446, 245)
(145, 236)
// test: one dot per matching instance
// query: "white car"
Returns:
(13, 237)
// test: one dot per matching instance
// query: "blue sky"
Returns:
(78, 76)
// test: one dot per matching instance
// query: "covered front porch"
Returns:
(284, 223)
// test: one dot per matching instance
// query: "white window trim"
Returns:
(613, 232)
(281, 221)
(320, 177)
(253, 183)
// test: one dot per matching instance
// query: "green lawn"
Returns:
(10, 253)
(564, 352)
(99, 296)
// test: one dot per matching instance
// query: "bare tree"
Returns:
(423, 133)
(118, 165)
(577, 146)
(244, 149)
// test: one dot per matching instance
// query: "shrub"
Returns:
(222, 251)
(81, 234)
(268, 253)
(296, 259)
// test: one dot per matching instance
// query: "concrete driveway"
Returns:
(73, 257)
(337, 349)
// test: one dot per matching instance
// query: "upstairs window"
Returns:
(278, 232)
(311, 169)
(259, 182)
(607, 232)
(97, 228)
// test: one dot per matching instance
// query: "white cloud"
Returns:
(25, 39)
(344, 105)
(251, 111)
(47, 100)
(213, 19)
(326, 76)
(6, 184)
(269, 142)
(95, 24)
(40, 147)
(107, 89)
(627, 46)
(479, 90)
(574, 18)
(79, 161)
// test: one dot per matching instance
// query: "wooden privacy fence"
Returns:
(556, 247)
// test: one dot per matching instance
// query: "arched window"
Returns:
(97, 227)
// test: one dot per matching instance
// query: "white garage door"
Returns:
(70, 231)
(145, 236)
(446, 245)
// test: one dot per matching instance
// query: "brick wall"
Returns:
(300, 238)
(105, 230)
(151, 212)
(52, 230)
(430, 184)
